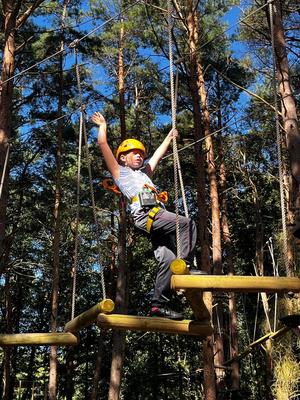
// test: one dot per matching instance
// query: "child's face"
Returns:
(133, 159)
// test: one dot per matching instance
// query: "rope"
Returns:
(4, 169)
(177, 167)
(239, 21)
(275, 272)
(173, 109)
(72, 44)
(75, 263)
(82, 132)
(186, 213)
(88, 158)
(278, 141)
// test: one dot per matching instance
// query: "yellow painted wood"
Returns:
(38, 339)
(271, 335)
(179, 267)
(199, 301)
(88, 317)
(236, 283)
(154, 324)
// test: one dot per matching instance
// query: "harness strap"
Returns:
(151, 217)
(163, 197)
(109, 184)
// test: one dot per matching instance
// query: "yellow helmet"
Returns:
(130, 144)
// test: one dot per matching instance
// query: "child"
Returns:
(149, 214)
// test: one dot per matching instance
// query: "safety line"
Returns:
(203, 138)
(173, 109)
(72, 44)
(236, 23)
(88, 161)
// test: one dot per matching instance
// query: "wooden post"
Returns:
(89, 316)
(154, 324)
(38, 339)
(195, 297)
(223, 283)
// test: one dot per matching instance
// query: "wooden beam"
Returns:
(154, 324)
(88, 317)
(236, 283)
(268, 336)
(39, 339)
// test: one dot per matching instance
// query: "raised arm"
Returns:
(160, 152)
(109, 158)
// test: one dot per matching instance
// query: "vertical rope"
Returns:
(275, 272)
(74, 268)
(97, 228)
(278, 140)
(173, 108)
(83, 133)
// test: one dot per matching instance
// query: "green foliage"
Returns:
(156, 366)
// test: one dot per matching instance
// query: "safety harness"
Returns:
(148, 197)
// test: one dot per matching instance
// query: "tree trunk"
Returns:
(11, 21)
(121, 293)
(215, 216)
(121, 81)
(233, 339)
(6, 94)
(118, 347)
(57, 222)
(7, 373)
(289, 119)
(97, 372)
(70, 374)
(208, 355)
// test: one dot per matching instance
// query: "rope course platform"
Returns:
(154, 324)
(39, 339)
(248, 284)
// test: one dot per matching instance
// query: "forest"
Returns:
(226, 75)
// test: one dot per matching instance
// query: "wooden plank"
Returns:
(38, 339)
(236, 283)
(154, 324)
(88, 317)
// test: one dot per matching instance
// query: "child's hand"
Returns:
(98, 119)
(173, 133)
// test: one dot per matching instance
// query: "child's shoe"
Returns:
(165, 312)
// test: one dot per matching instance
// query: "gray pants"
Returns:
(163, 238)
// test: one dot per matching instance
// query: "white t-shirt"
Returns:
(131, 183)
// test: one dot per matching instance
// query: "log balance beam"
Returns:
(38, 339)
(154, 324)
(248, 284)
(88, 317)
